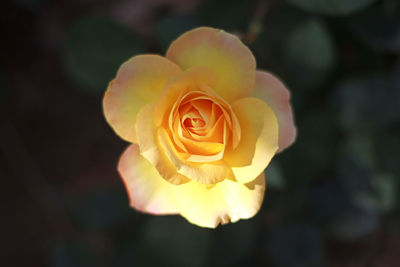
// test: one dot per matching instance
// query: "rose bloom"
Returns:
(203, 123)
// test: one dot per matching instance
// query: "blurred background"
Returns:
(332, 198)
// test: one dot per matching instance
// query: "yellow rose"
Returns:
(203, 123)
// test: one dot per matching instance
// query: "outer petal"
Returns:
(147, 191)
(259, 141)
(271, 90)
(150, 146)
(230, 60)
(200, 204)
(226, 201)
(140, 80)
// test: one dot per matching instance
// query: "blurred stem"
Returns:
(255, 26)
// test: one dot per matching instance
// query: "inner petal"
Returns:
(192, 119)
(204, 107)
(202, 124)
(214, 132)
(215, 156)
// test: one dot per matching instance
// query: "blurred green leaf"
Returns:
(313, 151)
(68, 253)
(95, 46)
(229, 15)
(354, 226)
(387, 149)
(309, 54)
(172, 241)
(276, 29)
(384, 195)
(334, 7)
(269, 48)
(295, 245)
(396, 73)
(361, 146)
(368, 188)
(274, 175)
(367, 103)
(102, 208)
(329, 200)
(378, 27)
(239, 241)
(169, 28)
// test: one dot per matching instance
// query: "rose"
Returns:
(203, 123)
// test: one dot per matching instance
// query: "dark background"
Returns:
(332, 199)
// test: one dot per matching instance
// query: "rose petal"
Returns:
(231, 61)
(216, 156)
(147, 191)
(205, 173)
(259, 140)
(203, 205)
(139, 81)
(150, 147)
(190, 79)
(270, 89)
(197, 81)
(226, 201)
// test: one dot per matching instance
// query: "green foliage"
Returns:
(101, 209)
(368, 187)
(378, 28)
(309, 54)
(230, 15)
(171, 241)
(315, 143)
(169, 28)
(387, 152)
(354, 226)
(69, 252)
(239, 239)
(337, 186)
(367, 103)
(297, 244)
(334, 8)
(94, 48)
(274, 175)
(339, 178)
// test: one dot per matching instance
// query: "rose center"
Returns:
(200, 126)
(193, 120)
(193, 123)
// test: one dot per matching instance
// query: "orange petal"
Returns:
(230, 116)
(205, 173)
(271, 90)
(150, 147)
(216, 155)
(214, 132)
(231, 61)
(204, 107)
(147, 191)
(188, 80)
(259, 140)
(139, 81)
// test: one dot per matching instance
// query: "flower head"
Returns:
(203, 123)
